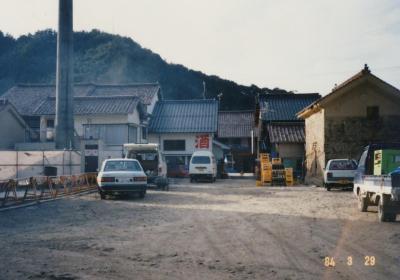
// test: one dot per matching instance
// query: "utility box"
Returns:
(385, 161)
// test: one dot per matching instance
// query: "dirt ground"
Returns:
(227, 230)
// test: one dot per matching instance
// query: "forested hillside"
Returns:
(105, 58)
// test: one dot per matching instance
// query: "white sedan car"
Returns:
(339, 173)
(121, 176)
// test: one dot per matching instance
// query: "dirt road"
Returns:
(227, 230)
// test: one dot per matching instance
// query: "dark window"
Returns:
(91, 147)
(144, 132)
(200, 160)
(372, 112)
(174, 145)
(342, 165)
(50, 123)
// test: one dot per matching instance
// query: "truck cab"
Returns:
(378, 190)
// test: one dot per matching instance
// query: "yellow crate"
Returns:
(289, 176)
(267, 176)
(264, 157)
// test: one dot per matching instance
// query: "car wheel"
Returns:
(327, 187)
(102, 195)
(142, 194)
(362, 203)
(383, 215)
(381, 211)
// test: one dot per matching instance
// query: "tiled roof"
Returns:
(284, 106)
(236, 124)
(27, 98)
(93, 105)
(286, 133)
(184, 116)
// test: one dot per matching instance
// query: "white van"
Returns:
(203, 166)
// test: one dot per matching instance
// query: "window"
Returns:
(91, 147)
(116, 134)
(122, 165)
(372, 112)
(363, 158)
(201, 160)
(92, 132)
(342, 165)
(144, 132)
(50, 123)
(111, 134)
(174, 145)
(132, 134)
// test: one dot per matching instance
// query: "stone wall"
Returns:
(346, 137)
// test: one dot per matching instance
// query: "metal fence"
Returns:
(34, 189)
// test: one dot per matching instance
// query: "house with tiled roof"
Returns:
(14, 128)
(281, 132)
(105, 116)
(361, 110)
(181, 127)
(237, 130)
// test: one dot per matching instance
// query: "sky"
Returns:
(299, 45)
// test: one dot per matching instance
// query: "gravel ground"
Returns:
(227, 230)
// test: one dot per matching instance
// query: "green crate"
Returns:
(385, 161)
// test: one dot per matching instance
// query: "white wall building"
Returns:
(181, 127)
(105, 116)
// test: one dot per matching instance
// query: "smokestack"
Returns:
(64, 123)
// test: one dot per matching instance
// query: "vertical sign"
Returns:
(202, 141)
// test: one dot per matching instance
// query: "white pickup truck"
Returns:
(152, 161)
(382, 191)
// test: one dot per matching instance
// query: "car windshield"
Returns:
(122, 165)
(201, 160)
(342, 165)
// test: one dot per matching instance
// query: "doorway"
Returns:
(91, 164)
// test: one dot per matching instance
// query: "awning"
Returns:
(286, 133)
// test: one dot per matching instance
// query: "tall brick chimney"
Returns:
(64, 122)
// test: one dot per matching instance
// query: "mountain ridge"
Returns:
(105, 58)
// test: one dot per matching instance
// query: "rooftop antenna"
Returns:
(219, 96)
